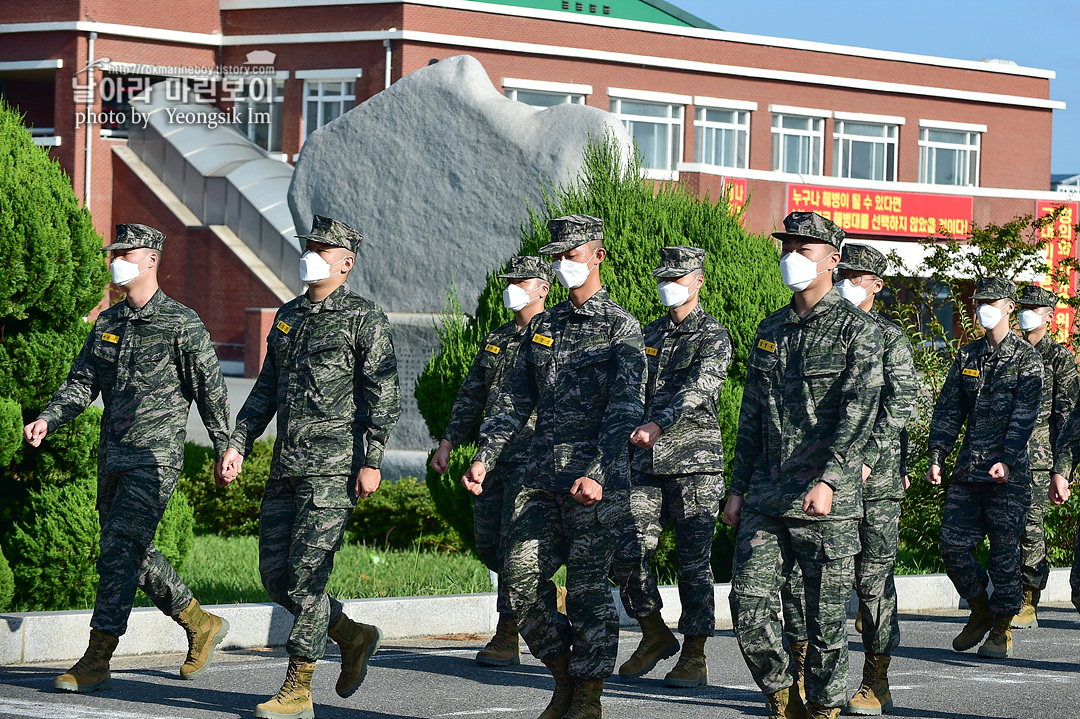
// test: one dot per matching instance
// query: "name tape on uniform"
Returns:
(766, 345)
(651, 351)
(971, 372)
(542, 340)
(493, 349)
(110, 338)
(283, 327)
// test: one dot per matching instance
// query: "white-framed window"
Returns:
(541, 94)
(949, 153)
(864, 146)
(326, 100)
(798, 139)
(260, 105)
(722, 132)
(655, 121)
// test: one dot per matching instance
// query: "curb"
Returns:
(61, 636)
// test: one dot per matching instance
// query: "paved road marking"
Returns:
(67, 711)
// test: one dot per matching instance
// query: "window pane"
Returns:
(311, 88)
(740, 152)
(959, 138)
(727, 116)
(350, 88)
(945, 166)
(541, 99)
(312, 116)
(330, 111)
(861, 162)
(652, 139)
(863, 129)
(790, 122)
(331, 88)
(647, 109)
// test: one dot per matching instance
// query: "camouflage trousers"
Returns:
(1034, 569)
(130, 505)
(985, 509)
(766, 549)
(492, 510)
(692, 503)
(879, 536)
(549, 529)
(298, 537)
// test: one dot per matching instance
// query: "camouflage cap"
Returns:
(863, 258)
(679, 261)
(1037, 296)
(571, 231)
(811, 226)
(994, 288)
(131, 236)
(333, 232)
(524, 267)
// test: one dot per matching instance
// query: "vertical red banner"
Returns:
(1061, 243)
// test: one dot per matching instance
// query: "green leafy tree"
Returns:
(742, 287)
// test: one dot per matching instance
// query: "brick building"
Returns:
(894, 146)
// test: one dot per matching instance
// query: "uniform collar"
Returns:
(591, 306)
(689, 324)
(334, 301)
(145, 312)
(1006, 348)
(1044, 344)
(826, 304)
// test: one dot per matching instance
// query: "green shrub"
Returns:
(451, 501)
(231, 511)
(742, 284)
(54, 549)
(401, 515)
(7, 584)
(176, 531)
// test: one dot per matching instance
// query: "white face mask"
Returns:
(798, 271)
(573, 274)
(988, 316)
(1031, 319)
(516, 298)
(124, 272)
(314, 268)
(672, 294)
(853, 293)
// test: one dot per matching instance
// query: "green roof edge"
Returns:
(680, 14)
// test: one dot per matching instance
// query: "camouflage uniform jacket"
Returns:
(997, 392)
(1060, 388)
(478, 391)
(331, 376)
(149, 364)
(583, 370)
(687, 364)
(811, 398)
(884, 451)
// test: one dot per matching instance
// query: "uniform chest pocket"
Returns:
(149, 361)
(539, 355)
(106, 354)
(590, 370)
(327, 352)
(762, 361)
(1004, 384)
(681, 361)
(824, 365)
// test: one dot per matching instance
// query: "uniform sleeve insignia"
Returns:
(766, 345)
(971, 372)
(542, 340)
(109, 337)
(651, 351)
(283, 327)
(493, 349)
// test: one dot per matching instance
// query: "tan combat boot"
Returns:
(586, 703)
(999, 644)
(786, 704)
(873, 696)
(692, 669)
(657, 642)
(204, 632)
(357, 643)
(503, 649)
(798, 655)
(293, 700)
(91, 673)
(1027, 618)
(564, 687)
(978, 624)
(560, 599)
(816, 711)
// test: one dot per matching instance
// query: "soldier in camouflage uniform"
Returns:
(582, 370)
(331, 376)
(810, 401)
(677, 465)
(528, 282)
(994, 386)
(1059, 394)
(1066, 457)
(149, 357)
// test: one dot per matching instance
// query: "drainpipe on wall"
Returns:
(389, 45)
(89, 114)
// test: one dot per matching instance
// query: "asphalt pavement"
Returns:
(436, 677)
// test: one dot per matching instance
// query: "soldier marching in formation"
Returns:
(593, 435)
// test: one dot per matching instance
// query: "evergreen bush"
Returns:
(231, 511)
(176, 532)
(7, 584)
(401, 515)
(742, 283)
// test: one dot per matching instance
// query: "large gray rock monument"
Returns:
(438, 172)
